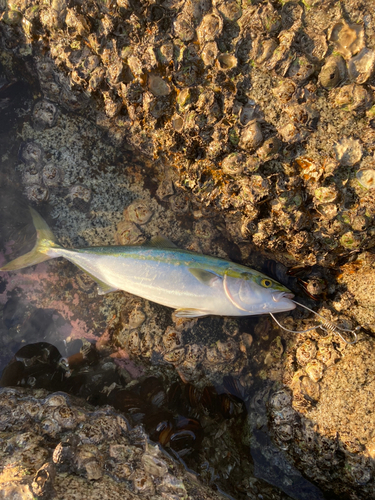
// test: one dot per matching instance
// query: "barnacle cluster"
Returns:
(94, 452)
(219, 354)
(320, 416)
(182, 418)
(264, 110)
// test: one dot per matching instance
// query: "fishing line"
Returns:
(325, 325)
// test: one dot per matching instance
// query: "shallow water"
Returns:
(57, 333)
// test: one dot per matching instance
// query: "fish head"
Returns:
(255, 293)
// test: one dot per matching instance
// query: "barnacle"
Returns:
(31, 153)
(314, 370)
(37, 193)
(44, 115)
(366, 178)
(52, 175)
(306, 352)
(138, 212)
(348, 151)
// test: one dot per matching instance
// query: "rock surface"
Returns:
(54, 447)
(263, 109)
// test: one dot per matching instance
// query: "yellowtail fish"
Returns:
(193, 284)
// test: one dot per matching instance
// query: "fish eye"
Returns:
(266, 283)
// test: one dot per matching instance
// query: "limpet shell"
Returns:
(177, 123)
(289, 133)
(136, 318)
(251, 136)
(134, 342)
(209, 53)
(280, 399)
(284, 432)
(184, 27)
(263, 49)
(184, 98)
(248, 113)
(366, 178)
(284, 415)
(166, 53)
(55, 400)
(210, 28)
(353, 97)
(138, 212)
(348, 38)
(158, 86)
(310, 388)
(255, 188)
(230, 9)
(314, 370)
(325, 194)
(348, 151)
(361, 67)
(333, 72)
(180, 203)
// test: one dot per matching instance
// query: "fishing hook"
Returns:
(325, 325)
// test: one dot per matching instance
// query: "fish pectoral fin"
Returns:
(161, 242)
(206, 277)
(190, 313)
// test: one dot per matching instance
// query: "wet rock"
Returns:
(73, 465)
(316, 429)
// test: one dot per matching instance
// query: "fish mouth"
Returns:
(282, 295)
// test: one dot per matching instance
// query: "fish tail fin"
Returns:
(45, 241)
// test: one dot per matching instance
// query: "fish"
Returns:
(193, 284)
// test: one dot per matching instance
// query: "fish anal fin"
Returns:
(161, 242)
(206, 277)
(190, 313)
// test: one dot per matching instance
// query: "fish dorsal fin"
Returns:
(206, 277)
(161, 242)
